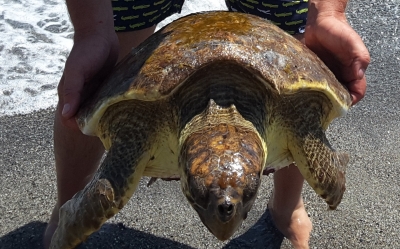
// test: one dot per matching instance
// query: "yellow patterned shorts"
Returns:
(130, 15)
(289, 15)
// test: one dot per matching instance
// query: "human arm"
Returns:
(95, 51)
(330, 36)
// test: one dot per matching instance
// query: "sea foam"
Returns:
(36, 37)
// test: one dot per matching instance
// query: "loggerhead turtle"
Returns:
(214, 99)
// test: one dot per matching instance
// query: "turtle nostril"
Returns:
(226, 209)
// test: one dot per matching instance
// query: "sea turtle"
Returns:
(214, 99)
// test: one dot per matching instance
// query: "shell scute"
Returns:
(156, 68)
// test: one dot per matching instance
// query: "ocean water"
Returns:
(35, 40)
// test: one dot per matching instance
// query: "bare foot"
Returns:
(295, 225)
(287, 207)
(51, 228)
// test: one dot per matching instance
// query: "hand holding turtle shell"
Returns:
(91, 55)
(94, 53)
(330, 36)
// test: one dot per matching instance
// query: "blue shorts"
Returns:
(130, 15)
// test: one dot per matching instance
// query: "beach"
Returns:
(159, 216)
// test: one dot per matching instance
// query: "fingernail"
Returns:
(66, 109)
(361, 73)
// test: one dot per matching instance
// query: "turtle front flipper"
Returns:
(132, 142)
(321, 166)
(101, 199)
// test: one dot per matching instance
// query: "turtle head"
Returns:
(223, 198)
(222, 162)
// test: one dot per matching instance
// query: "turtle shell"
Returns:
(160, 65)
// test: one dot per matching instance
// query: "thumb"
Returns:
(359, 55)
(356, 82)
(71, 91)
(360, 64)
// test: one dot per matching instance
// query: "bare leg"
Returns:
(77, 156)
(286, 205)
(287, 208)
(129, 40)
(300, 37)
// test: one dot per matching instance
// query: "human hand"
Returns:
(92, 57)
(329, 35)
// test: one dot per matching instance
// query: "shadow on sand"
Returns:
(262, 235)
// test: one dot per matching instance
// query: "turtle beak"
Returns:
(224, 213)
(226, 210)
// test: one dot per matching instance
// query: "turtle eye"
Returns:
(197, 192)
(250, 190)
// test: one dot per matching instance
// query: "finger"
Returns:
(358, 55)
(71, 123)
(357, 89)
(68, 122)
(354, 78)
(71, 92)
(360, 65)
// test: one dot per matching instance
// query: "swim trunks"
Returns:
(130, 15)
(289, 15)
